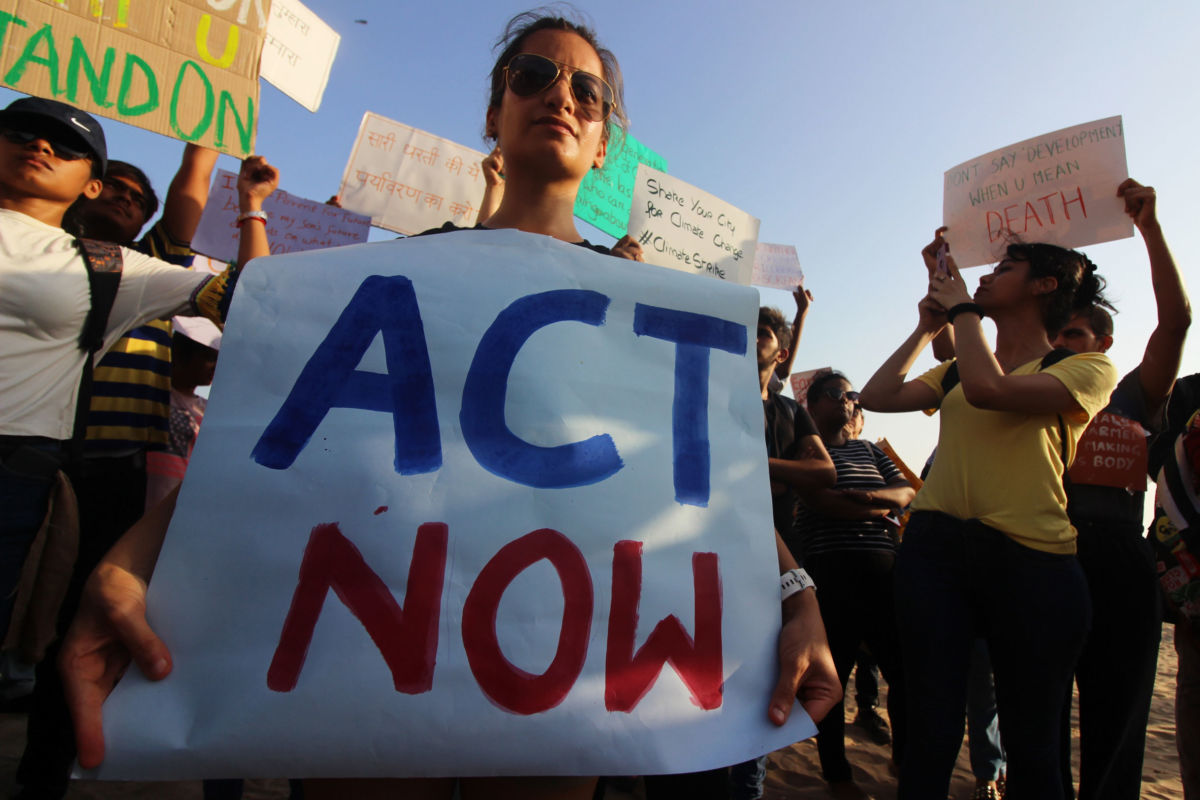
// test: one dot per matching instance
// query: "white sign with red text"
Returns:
(1059, 188)
(408, 181)
(478, 503)
(298, 52)
(777, 266)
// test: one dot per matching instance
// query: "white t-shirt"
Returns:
(44, 299)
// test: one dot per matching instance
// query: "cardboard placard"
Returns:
(298, 52)
(686, 228)
(407, 180)
(462, 530)
(295, 223)
(606, 194)
(183, 68)
(1060, 188)
(777, 266)
(801, 381)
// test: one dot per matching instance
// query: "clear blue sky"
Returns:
(832, 123)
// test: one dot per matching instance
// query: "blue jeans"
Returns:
(956, 581)
(983, 725)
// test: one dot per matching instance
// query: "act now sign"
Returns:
(184, 68)
(489, 504)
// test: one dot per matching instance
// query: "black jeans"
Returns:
(1119, 662)
(956, 580)
(854, 590)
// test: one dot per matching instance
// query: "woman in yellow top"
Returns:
(989, 550)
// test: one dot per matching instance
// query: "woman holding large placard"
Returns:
(553, 90)
(989, 549)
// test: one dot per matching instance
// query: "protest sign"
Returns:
(534, 478)
(1060, 188)
(606, 194)
(184, 68)
(801, 381)
(686, 228)
(776, 266)
(298, 52)
(409, 181)
(1113, 452)
(294, 223)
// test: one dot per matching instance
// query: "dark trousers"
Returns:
(955, 581)
(27, 470)
(1119, 662)
(112, 496)
(854, 590)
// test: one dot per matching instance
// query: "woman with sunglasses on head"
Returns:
(553, 90)
(845, 537)
(989, 550)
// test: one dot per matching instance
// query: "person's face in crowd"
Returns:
(1010, 284)
(546, 132)
(119, 213)
(833, 407)
(769, 351)
(1079, 337)
(854, 427)
(34, 169)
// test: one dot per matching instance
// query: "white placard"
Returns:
(447, 516)
(1060, 188)
(294, 223)
(686, 228)
(777, 266)
(409, 181)
(298, 52)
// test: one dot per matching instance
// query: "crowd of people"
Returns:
(984, 594)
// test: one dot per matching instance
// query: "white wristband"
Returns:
(793, 581)
(264, 216)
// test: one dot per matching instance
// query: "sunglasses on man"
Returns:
(62, 149)
(529, 74)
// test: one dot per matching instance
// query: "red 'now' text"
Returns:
(407, 636)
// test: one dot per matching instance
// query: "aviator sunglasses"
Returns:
(66, 152)
(837, 394)
(528, 74)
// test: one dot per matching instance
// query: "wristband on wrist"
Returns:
(261, 216)
(794, 581)
(970, 308)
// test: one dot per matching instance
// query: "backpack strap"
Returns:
(104, 263)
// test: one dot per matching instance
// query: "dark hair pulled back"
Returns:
(1079, 288)
(556, 18)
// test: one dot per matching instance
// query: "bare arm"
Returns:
(843, 504)
(806, 669)
(493, 183)
(803, 302)
(893, 497)
(812, 468)
(110, 629)
(888, 389)
(1164, 350)
(256, 181)
(188, 192)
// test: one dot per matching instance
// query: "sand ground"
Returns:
(794, 772)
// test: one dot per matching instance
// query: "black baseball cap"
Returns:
(74, 125)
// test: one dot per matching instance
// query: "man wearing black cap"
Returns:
(50, 155)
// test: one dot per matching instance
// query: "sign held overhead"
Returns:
(1060, 188)
(183, 68)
